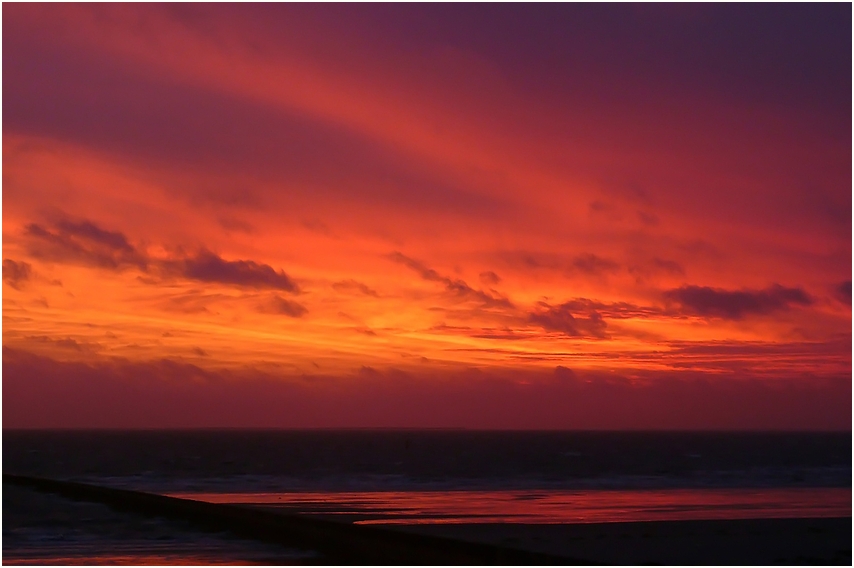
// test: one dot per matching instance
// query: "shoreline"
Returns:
(794, 541)
(336, 542)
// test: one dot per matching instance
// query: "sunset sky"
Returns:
(483, 216)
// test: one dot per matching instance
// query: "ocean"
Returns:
(412, 477)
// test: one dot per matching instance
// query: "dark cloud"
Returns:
(348, 285)
(279, 305)
(85, 243)
(234, 224)
(842, 291)
(454, 287)
(533, 260)
(561, 318)
(489, 278)
(504, 333)
(88, 230)
(425, 272)
(655, 266)
(207, 266)
(669, 266)
(66, 343)
(587, 263)
(592, 264)
(734, 305)
(615, 310)
(16, 273)
(191, 301)
(578, 317)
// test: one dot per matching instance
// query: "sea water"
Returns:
(459, 476)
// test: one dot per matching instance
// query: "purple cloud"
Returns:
(15, 274)
(279, 305)
(719, 303)
(209, 267)
(85, 243)
(561, 318)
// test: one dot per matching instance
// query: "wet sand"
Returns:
(718, 542)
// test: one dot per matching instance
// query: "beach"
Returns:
(42, 526)
(425, 497)
(824, 541)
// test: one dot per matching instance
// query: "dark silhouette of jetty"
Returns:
(335, 542)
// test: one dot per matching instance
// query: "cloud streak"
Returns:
(585, 263)
(282, 306)
(454, 287)
(353, 285)
(83, 243)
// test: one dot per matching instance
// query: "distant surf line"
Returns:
(551, 506)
